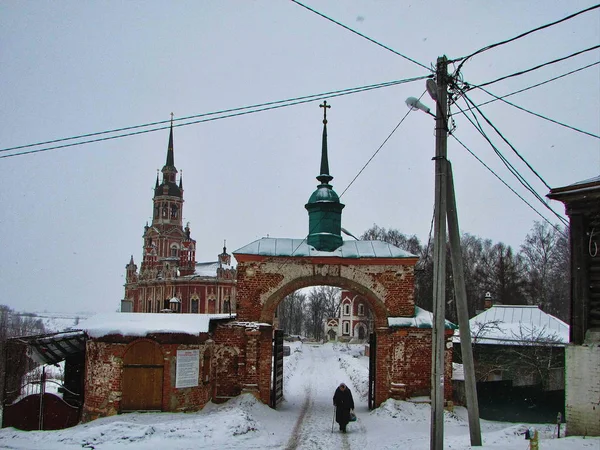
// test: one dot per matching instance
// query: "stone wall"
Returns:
(583, 389)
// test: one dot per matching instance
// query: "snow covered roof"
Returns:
(515, 325)
(208, 269)
(421, 319)
(299, 247)
(142, 324)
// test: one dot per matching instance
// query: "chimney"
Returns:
(487, 301)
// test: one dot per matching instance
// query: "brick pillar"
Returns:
(382, 363)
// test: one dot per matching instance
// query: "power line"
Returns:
(539, 66)
(542, 116)
(506, 184)
(272, 105)
(380, 147)
(510, 167)
(488, 47)
(224, 111)
(507, 142)
(471, 86)
(362, 35)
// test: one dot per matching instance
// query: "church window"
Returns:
(156, 211)
(194, 307)
(347, 309)
(174, 251)
(361, 309)
(174, 212)
(346, 327)
(149, 306)
(165, 211)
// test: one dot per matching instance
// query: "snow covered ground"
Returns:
(304, 420)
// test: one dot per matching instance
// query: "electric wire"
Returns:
(488, 47)
(507, 163)
(224, 111)
(522, 72)
(273, 105)
(542, 116)
(507, 185)
(362, 35)
(507, 142)
(510, 167)
(471, 86)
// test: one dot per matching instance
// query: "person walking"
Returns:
(343, 402)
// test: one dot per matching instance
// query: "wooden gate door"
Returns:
(277, 386)
(142, 378)
(372, 367)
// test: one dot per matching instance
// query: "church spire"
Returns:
(170, 157)
(324, 176)
(324, 207)
(169, 171)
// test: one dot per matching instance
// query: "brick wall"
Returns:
(264, 282)
(404, 364)
(104, 370)
(582, 389)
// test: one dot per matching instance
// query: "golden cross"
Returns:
(325, 106)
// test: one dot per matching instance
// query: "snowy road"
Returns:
(310, 389)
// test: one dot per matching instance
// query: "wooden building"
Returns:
(582, 205)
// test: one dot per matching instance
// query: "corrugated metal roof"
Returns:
(299, 247)
(516, 324)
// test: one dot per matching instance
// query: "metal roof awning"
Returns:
(55, 347)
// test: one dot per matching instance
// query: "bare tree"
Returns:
(291, 313)
(546, 255)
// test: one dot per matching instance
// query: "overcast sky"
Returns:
(71, 218)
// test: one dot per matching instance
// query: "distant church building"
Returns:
(353, 322)
(170, 279)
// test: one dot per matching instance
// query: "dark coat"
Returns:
(343, 402)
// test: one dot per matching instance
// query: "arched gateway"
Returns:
(271, 268)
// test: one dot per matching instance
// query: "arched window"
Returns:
(194, 308)
(347, 309)
(174, 251)
(174, 212)
(361, 309)
(346, 328)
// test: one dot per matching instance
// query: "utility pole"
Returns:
(439, 258)
(445, 210)
(462, 310)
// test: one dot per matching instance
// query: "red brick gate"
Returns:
(270, 269)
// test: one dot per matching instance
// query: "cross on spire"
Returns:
(325, 106)
(172, 119)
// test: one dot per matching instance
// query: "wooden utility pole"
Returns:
(439, 258)
(460, 293)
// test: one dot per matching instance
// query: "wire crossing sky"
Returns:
(77, 71)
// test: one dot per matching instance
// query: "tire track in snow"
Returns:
(294, 438)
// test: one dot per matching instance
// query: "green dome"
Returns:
(324, 193)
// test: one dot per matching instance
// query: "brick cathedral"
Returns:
(170, 279)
